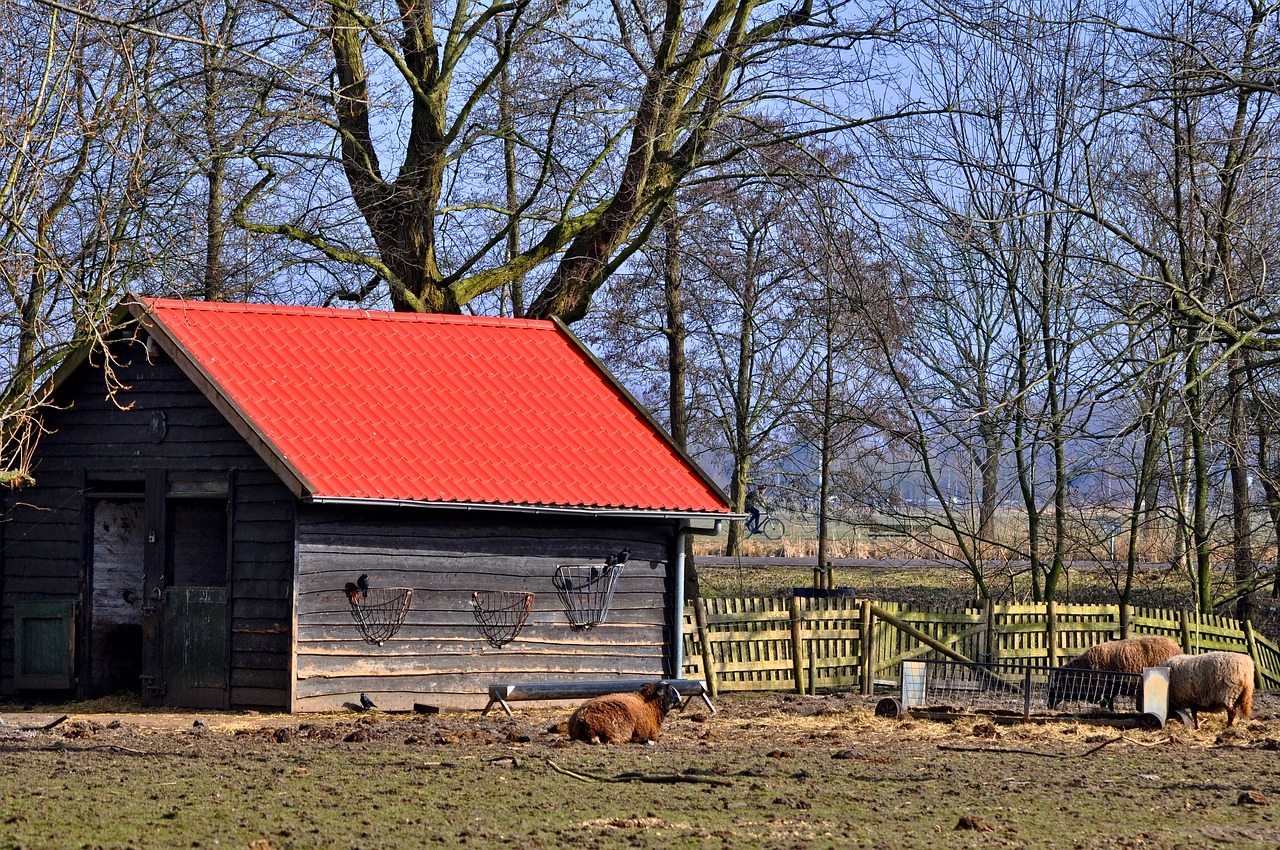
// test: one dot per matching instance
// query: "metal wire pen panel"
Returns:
(501, 614)
(586, 590)
(1075, 689)
(1016, 687)
(957, 684)
(379, 612)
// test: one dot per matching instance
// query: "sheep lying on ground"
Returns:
(1214, 681)
(1131, 655)
(621, 718)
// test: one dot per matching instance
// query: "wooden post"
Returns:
(866, 680)
(817, 577)
(1026, 693)
(1124, 620)
(708, 664)
(1051, 632)
(797, 661)
(1252, 644)
(991, 652)
(831, 577)
(1185, 626)
(813, 670)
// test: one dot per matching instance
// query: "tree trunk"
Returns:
(1200, 485)
(826, 449)
(1241, 521)
(506, 120)
(677, 365)
(215, 272)
(742, 407)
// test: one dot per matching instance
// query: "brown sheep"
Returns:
(1214, 681)
(1131, 655)
(622, 718)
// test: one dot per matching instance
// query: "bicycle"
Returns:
(768, 526)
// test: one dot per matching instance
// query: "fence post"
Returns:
(813, 670)
(817, 576)
(708, 668)
(1124, 620)
(1051, 632)
(866, 672)
(992, 649)
(797, 661)
(1026, 693)
(831, 576)
(1185, 627)
(1253, 653)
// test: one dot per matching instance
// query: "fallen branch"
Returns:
(663, 778)
(957, 748)
(63, 748)
(46, 727)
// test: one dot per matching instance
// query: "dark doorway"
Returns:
(116, 596)
(194, 621)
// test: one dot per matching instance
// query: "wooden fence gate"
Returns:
(804, 643)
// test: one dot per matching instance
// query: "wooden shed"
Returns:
(216, 478)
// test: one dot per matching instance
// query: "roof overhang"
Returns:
(696, 521)
(657, 426)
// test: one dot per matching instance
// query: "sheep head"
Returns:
(665, 696)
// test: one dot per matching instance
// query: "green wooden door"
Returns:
(44, 645)
(195, 647)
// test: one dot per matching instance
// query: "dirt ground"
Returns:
(767, 771)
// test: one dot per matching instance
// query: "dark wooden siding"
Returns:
(440, 655)
(95, 439)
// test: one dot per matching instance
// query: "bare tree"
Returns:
(74, 191)
(601, 145)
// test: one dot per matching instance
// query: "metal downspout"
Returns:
(677, 661)
(677, 602)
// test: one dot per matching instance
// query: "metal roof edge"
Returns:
(213, 391)
(598, 513)
(643, 411)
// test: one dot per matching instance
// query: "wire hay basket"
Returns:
(586, 590)
(501, 614)
(379, 612)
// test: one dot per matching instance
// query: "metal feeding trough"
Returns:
(944, 689)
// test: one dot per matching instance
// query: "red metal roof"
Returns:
(435, 408)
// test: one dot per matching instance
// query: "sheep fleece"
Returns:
(622, 718)
(1131, 655)
(1214, 681)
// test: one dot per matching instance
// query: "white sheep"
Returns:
(1213, 681)
(621, 718)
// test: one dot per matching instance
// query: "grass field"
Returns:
(765, 771)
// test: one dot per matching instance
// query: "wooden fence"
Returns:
(803, 643)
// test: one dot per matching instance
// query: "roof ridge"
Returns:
(184, 304)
